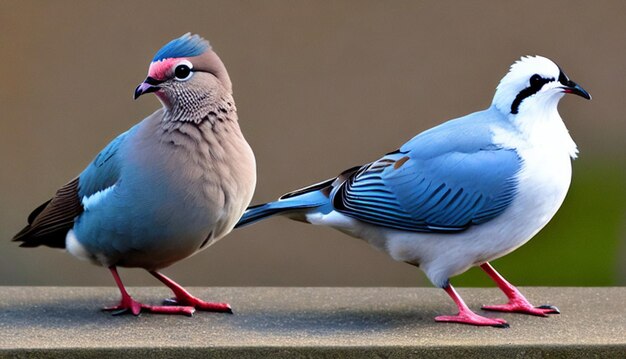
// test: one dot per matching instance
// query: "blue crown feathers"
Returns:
(185, 46)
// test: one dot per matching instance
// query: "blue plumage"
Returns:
(447, 193)
(185, 46)
(443, 180)
(301, 201)
(104, 171)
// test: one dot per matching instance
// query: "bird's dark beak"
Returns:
(570, 86)
(149, 85)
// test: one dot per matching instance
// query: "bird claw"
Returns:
(552, 309)
(473, 319)
(170, 301)
(127, 305)
(118, 312)
(523, 308)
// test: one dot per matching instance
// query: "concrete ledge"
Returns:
(306, 322)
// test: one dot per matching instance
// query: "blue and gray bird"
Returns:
(170, 186)
(460, 194)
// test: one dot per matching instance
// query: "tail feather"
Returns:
(49, 223)
(257, 213)
(295, 203)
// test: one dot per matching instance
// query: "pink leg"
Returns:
(183, 297)
(466, 316)
(128, 304)
(517, 302)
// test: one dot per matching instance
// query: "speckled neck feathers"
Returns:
(197, 107)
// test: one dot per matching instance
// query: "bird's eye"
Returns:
(183, 72)
(536, 81)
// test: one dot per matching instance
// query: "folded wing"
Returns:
(446, 192)
(49, 223)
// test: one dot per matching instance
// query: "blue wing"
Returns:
(443, 180)
(104, 170)
(48, 224)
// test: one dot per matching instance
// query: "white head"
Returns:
(534, 82)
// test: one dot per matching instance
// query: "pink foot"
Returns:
(184, 298)
(523, 307)
(517, 302)
(129, 305)
(199, 304)
(466, 316)
(473, 319)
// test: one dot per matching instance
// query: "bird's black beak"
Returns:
(570, 86)
(149, 85)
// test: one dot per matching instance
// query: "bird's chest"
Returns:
(545, 148)
(543, 182)
(212, 177)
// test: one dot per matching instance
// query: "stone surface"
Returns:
(302, 322)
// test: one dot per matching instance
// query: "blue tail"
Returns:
(297, 201)
(259, 212)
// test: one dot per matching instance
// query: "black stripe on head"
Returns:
(536, 82)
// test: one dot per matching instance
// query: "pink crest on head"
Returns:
(159, 69)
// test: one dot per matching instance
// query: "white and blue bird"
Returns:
(460, 194)
(170, 186)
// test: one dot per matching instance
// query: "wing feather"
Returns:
(49, 223)
(446, 193)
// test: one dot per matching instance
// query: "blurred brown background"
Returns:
(320, 86)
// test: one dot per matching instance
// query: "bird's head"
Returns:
(185, 71)
(534, 82)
